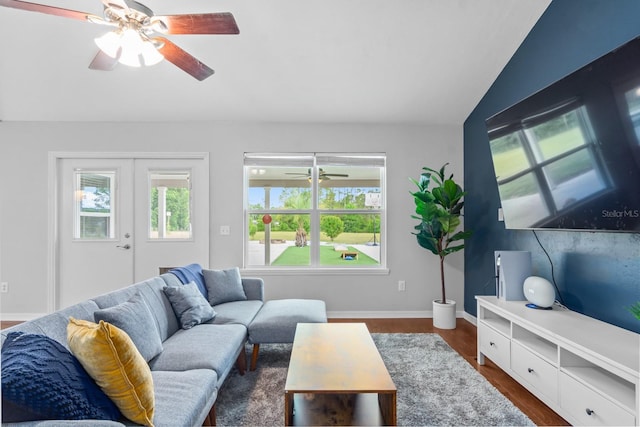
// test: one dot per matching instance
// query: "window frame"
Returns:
(317, 161)
(537, 163)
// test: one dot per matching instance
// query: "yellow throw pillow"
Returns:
(113, 361)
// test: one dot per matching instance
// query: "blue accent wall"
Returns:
(597, 273)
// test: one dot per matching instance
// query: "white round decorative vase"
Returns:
(539, 291)
(444, 315)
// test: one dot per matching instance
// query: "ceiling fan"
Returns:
(136, 38)
(322, 175)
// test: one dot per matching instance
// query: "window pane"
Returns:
(522, 202)
(279, 187)
(94, 214)
(279, 240)
(558, 135)
(345, 188)
(633, 105)
(350, 240)
(573, 178)
(170, 207)
(509, 156)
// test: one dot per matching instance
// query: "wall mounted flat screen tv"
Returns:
(568, 156)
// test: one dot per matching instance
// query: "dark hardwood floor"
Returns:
(463, 340)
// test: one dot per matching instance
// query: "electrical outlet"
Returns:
(402, 286)
(225, 230)
(4, 287)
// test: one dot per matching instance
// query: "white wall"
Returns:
(24, 149)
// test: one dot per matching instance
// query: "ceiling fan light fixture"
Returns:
(110, 43)
(137, 52)
(150, 54)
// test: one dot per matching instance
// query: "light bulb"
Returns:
(109, 43)
(131, 45)
(150, 54)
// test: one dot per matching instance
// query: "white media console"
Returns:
(586, 370)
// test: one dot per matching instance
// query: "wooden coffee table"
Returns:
(339, 359)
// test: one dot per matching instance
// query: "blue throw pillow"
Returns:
(224, 285)
(42, 380)
(190, 306)
(135, 319)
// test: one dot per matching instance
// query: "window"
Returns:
(170, 207)
(546, 164)
(314, 210)
(94, 217)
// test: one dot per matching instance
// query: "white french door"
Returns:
(122, 219)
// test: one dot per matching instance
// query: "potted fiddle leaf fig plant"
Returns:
(439, 203)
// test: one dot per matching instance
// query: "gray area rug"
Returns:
(436, 386)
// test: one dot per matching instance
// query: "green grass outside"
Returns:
(344, 238)
(294, 255)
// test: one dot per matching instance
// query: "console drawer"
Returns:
(494, 345)
(579, 400)
(534, 371)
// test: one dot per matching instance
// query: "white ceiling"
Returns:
(387, 61)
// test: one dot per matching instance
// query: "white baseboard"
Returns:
(469, 318)
(387, 314)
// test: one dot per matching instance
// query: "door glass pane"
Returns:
(94, 205)
(170, 207)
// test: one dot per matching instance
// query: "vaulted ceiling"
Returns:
(385, 61)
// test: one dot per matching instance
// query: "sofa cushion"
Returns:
(277, 320)
(190, 306)
(114, 362)
(41, 379)
(151, 291)
(135, 319)
(240, 312)
(217, 348)
(224, 285)
(183, 398)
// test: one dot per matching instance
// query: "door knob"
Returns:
(127, 246)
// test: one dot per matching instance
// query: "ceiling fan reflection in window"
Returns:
(136, 39)
(322, 175)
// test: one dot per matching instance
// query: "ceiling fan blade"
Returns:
(183, 60)
(49, 10)
(200, 23)
(344, 175)
(103, 62)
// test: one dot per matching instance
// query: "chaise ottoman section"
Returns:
(185, 398)
(277, 320)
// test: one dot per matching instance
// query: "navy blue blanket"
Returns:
(191, 273)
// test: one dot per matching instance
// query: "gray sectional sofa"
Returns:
(193, 363)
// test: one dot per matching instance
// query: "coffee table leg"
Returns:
(387, 403)
(288, 409)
